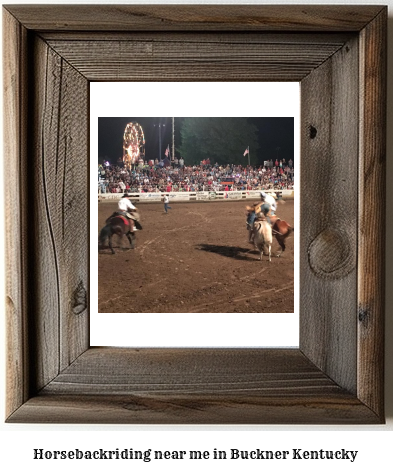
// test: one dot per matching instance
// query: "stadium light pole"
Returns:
(247, 152)
(173, 138)
(159, 139)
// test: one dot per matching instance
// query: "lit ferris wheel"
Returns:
(133, 144)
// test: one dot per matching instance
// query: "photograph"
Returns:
(196, 214)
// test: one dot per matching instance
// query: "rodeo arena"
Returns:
(201, 238)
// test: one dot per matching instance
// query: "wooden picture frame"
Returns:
(338, 54)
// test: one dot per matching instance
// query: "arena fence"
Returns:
(198, 195)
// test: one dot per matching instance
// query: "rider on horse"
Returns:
(128, 210)
(269, 205)
(266, 208)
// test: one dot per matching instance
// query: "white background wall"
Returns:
(374, 443)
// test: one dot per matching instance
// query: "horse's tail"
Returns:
(104, 234)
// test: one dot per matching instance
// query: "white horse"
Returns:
(263, 237)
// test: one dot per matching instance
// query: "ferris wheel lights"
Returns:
(133, 144)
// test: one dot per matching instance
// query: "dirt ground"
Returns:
(195, 259)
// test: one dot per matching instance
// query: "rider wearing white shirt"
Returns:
(269, 199)
(269, 205)
(125, 205)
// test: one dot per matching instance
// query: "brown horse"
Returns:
(118, 225)
(281, 230)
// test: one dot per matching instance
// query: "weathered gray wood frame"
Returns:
(338, 54)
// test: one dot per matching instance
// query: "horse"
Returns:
(118, 225)
(253, 210)
(281, 230)
(263, 237)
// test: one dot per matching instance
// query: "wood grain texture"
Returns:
(200, 37)
(60, 214)
(200, 386)
(208, 371)
(195, 18)
(239, 409)
(14, 73)
(372, 177)
(329, 161)
(214, 60)
(52, 374)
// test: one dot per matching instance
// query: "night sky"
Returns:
(276, 136)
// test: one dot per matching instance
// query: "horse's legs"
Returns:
(281, 244)
(268, 249)
(131, 239)
(251, 238)
(110, 243)
(261, 249)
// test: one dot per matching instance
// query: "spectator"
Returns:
(152, 178)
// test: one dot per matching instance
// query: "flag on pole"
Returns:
(247, 151)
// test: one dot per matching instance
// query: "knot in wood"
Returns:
(363, 316)
(313, 132)
(80, 299)
(330, 254)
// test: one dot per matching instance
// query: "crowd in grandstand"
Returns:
(175, 176)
